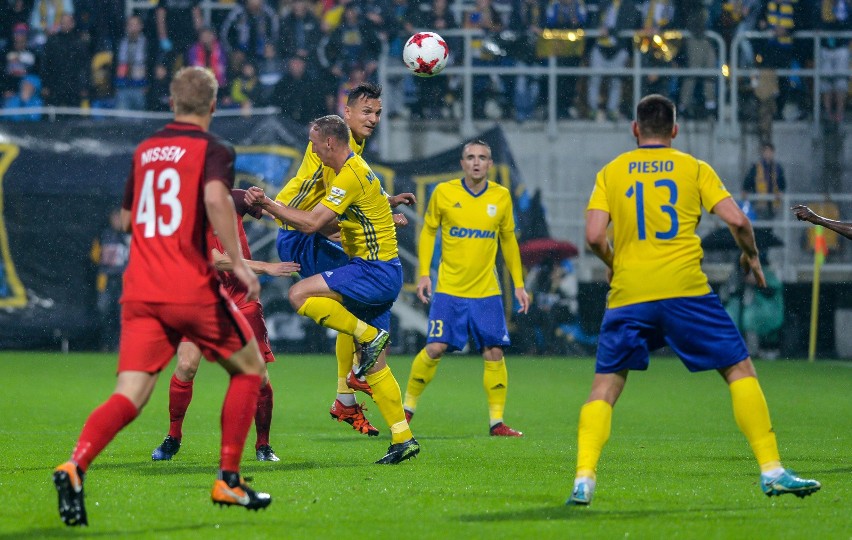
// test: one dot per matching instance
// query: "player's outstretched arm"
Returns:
(307, 222)
(803, 213)
(223, 218)
(403, 198)
(223, 263)
(743, 234)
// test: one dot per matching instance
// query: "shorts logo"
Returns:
(328, 274)
(492, 210)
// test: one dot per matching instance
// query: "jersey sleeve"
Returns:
(219, 162)
(710, 186)
(343, 191)
(431, 222)
(598, 200)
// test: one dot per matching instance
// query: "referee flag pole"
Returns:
(820, 250)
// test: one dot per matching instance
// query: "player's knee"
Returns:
(186, 369)
(296, 296)
(436, 350)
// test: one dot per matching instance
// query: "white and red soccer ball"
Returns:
(425, 54)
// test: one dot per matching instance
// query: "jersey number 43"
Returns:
(150, 212)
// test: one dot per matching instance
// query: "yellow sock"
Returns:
(423, 371)
(330, 313)
(592, 434)
(389, 400)
(344, 350)
(495, 379)
(752, 416)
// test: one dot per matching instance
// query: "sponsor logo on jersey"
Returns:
(335, 196)
(466, 232)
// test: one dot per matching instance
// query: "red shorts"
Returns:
(253, 312)
(150, 332)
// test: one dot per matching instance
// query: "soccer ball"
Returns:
(425, 54)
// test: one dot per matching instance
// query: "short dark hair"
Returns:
(332, 126)
(656, 116)
(766, 144)
(475, 142)
(367, 90)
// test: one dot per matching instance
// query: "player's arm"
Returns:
(597, 222)
(403, 198)
(306, 222)
(223, 218)
(223, 263)
(803, 213)
(426, 248)
(512, 258)
(743, 234)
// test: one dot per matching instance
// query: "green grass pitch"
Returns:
(675, 467)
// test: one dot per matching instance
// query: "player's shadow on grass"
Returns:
(573, 513)
(61, 531)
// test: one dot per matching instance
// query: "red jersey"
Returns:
(169, 258)
(234, 287)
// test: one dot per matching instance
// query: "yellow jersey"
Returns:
(305, 190)
(363, 212)
(654, 196)
(471, 227)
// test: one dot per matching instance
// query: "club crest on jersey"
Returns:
(492, 210)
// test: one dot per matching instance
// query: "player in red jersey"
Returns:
(189, 355)
(179, 185)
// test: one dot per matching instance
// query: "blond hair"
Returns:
(193, 90)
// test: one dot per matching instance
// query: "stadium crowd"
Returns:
(88, 53)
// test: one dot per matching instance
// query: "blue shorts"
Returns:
(697, 329)
(452, 319)
(369, 288)
(314, 252)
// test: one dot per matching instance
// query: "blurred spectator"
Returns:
(300, 32)
(101, 23)
(157, 97)
(611, 52)
(758, 312)
(657, 16)
(483, 16)
(27, 97)
(567, 15)
(131, 71)
(357, 75)
(13, 13)
(20, 61)
(178, 21)
(834, 57)
(700, 53)
(525, 22)
(110, 252)
(766, 92)
(208, 52)
(765, 177)
(270, 71)
(778, 52)
(245, 89)
(101, 89)
(65, 67)
(736, 17)
(296, 103)
(351, 44)
(376, 12)
(433, 93)
(249, 28)
(46, 20)
(399, 26)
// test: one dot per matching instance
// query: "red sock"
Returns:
(237, 411)
(101, 427)
(180, 394)
(263, 416)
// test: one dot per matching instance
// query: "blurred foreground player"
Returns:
(189, 355)
(179, 185)
(660, 296)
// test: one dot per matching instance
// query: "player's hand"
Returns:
(403, 198)
(255, 196)
(424, 289)
(523, 299)
(400, 220)
(248, 278)
(752, 264)
(281, 269)
(803, 213)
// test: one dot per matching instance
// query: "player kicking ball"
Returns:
(179, 185)
(660, 296)
(189, 355)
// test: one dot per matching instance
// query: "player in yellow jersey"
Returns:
(356, 298)
(660, 296)
(317, 253)
(474, 216)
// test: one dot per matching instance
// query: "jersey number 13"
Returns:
(637, 192)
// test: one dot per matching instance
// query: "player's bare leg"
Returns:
(245, 368)
(180, 396)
